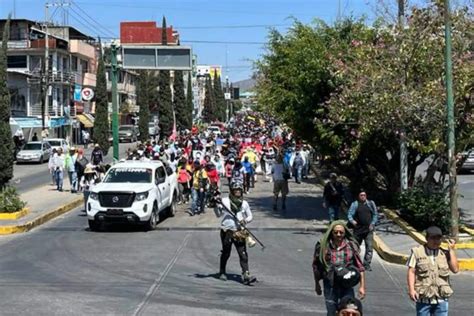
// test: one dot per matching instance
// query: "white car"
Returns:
(214, 130)
(134, 192)
(57, 143)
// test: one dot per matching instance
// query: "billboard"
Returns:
(203, 70)
(157, 57)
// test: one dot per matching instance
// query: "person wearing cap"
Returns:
(428, 274)
(333, 193)
(363, 216)
(349, 306)
(230, 226)
(198, 191)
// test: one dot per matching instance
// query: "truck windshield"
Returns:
(132, 175)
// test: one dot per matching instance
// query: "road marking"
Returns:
(157, 283)
(396, 282)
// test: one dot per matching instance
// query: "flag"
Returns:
(174, 134)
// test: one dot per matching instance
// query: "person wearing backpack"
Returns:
(362, 215)
(336, 261)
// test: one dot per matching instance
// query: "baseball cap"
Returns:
(433, 231)
(351, 304)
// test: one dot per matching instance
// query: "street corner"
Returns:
(388, 254)
(41, 218)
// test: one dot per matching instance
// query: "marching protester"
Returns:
(51, 168)
(280, 176)
(232, 233)
(184, 179)
(428, 274)
(332, 195)
(363, 215)
(336, 261)
(198, 192)
(97, 156)
(70, 166)
(87, 182)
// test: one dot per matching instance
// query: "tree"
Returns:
(6, 140)
(101, 124)
(188, 122)
(219, 98)
(165, 105)
(143, 99)
(179, 101)
(209, 110)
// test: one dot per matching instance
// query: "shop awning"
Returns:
(28, 122)
(88, 123)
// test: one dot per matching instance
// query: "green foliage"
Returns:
(165, 106)
(6, 141)
(164, 37)
(422, 210)
(101, 124)
(187, 120)
(10, 201)
(179, 101)
(209, 110)
(143, 99)
(219, 98)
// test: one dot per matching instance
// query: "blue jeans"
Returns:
(297, 173)
(440, 309)
(198, 199)
(73, 180)
(58, 176)
(333, 295)
(333, 212)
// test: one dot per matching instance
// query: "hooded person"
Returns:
(337, 262)
(232, 232)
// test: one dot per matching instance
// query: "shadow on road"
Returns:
(230, 277)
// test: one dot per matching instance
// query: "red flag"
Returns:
(174, 134)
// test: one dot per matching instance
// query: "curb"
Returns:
(14, 215)
(418, 237)
(14, 229)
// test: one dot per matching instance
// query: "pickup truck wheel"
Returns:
(93, 225)
(153, 221)
(172, 208)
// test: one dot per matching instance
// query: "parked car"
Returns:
(128, 133)
(133, 192)
(39, 151)
(213, 130)
(468, 162)
(57, 143)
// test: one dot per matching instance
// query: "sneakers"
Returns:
(247, 279)
(222, 277)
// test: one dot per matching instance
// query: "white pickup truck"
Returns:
(133, 192)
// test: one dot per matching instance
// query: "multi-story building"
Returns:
(203, 72)
(71, 63)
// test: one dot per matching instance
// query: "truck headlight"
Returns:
(94, 196)
(141, 196)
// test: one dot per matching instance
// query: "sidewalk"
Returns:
(43, 203)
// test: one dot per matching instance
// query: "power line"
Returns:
(231, 26)
(222, 42)
(85, 25)
(92, 19)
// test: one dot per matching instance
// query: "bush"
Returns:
(10, 200)
(422, 210)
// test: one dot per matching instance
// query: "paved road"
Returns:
(62, 268)
(28, 176)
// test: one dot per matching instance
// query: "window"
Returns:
(16, 61)
(161, 173)
(74, 63)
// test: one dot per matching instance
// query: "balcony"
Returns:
(81, 48)
(89, 79)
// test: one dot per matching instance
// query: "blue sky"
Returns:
(199, 20)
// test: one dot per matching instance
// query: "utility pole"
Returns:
(45, 89)
(453, 195)
(403, 143)
(113, 72)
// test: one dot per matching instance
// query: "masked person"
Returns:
(231, 231)
(428, 274)
(336, 261)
